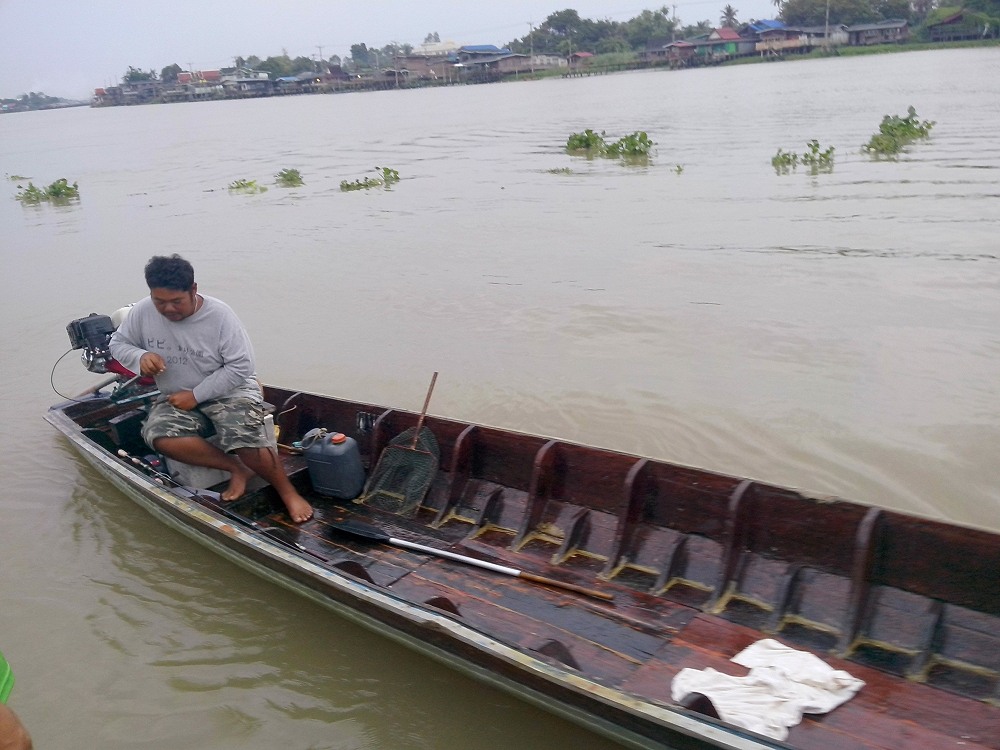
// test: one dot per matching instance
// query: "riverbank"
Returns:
(615, 63)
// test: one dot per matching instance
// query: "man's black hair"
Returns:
(172, 272)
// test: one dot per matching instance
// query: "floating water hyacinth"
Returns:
(895, 133)
(289, 178)
(246, 186)
(59, 192)
(387, 176)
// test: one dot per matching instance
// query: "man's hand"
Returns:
(151, 364)
(183, 400)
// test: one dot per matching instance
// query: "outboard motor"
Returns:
(92, 334)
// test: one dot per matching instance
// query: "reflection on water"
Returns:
(188, 644)
(834, 332)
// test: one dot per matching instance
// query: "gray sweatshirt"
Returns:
(208, 353)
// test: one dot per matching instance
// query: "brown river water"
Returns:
(839, 333)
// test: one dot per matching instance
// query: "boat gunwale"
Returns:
(194, 520)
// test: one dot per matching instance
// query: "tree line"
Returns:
(31, 100)
(565, 32)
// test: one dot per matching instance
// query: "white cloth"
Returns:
(782, 685)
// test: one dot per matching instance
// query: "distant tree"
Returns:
(169, 73)
(989, 7)
(252, 62)
(334, 60)
(650, 24)
(361, 55)
(134, 75)
(36, 100)
(921, 8)
(699, 29)
(277, 67)
(301, 65)
(612, 44)
(564, 22)
(813, 12)
(564, 31)
(432, 38)
(393, 50)
(892, 9)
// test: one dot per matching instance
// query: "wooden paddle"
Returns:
(367, 531)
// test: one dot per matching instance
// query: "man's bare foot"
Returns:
(237, 484)
(299, 508)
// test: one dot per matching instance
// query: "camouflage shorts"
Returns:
(236, 421)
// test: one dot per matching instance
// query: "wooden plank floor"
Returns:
(884, 714)
(613, 645)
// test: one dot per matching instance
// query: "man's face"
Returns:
(173, 304)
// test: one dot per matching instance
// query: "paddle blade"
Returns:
(359, 529)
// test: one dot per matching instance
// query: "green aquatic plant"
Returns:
(560, 170)
(386, 177)
(817, 159)
(678, 169)
(59, 192)
(17, 177)
(591, 143)
(895, 133)
(289, 178)
(588, 141)
(246, 186)
(389, 175)
(784, 161)
(368, 182)
(636, 144)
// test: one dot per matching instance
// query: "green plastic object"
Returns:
(6, 679)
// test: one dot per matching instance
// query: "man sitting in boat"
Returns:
(201, 357)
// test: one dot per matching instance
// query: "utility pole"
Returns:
(531, 45)
(321, 59)
(826, 28)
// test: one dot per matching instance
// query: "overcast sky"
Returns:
(69, 47)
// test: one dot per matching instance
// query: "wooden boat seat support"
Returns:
(540, 489)
(628, 524)
(459, 473)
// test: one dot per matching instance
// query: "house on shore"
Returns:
(883, 32)
(775, 38)
(962, 25)
(767, 38)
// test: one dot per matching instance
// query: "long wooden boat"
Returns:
(694, 566)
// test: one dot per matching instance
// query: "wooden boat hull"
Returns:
(699, 565)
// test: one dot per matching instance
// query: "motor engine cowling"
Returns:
(92, 334)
